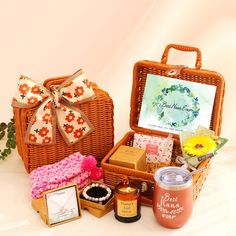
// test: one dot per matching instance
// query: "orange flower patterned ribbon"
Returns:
(56, 107)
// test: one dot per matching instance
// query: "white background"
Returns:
(44, 39)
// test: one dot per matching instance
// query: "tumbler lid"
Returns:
(173, 178)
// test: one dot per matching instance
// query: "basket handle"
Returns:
(198, 63)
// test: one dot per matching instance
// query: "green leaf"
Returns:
(162, 114)
(10, 134)
(3, 126)
(8, 143)
(12, 144)
(11, 138)
(222, 142)
(4, 154)
(2, 134)
(8, 151)
(9, 124)
(11, 128)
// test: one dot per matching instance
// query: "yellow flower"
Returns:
(199, 145)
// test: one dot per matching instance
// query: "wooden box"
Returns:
(97, 209)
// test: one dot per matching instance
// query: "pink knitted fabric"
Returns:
(60, 174)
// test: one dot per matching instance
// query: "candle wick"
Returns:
(126, 181)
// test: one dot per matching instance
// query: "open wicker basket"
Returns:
(100, 113)
(114, 174)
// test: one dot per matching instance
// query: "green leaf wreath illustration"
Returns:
(192, 113)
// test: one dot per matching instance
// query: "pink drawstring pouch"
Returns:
(75, 169)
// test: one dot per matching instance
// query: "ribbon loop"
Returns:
(55, 107)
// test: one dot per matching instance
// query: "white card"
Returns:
(62, 204)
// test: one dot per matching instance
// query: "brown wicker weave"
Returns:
(114, 174)
(99, 112)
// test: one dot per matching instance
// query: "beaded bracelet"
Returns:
(94, 199)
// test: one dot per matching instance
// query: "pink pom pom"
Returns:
(89, 163)
(96, 173)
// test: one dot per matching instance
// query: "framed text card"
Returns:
(62, 205)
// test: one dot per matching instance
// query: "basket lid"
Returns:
(143, 68)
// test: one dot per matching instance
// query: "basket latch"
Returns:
(146, 187)
(175, 71)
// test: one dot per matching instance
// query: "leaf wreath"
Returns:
(8, 129)
(184, 90)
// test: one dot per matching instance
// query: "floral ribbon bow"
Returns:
(56, 107)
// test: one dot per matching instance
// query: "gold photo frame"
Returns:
(58, 206)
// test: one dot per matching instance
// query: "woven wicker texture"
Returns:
(100, 113)
(114, 174)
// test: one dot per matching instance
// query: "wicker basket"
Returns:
(99, 112)
(114, 174)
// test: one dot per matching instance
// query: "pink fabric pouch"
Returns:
(67, 171)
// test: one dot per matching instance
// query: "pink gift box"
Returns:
(158, 149)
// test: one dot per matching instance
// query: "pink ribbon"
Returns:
(55, 107)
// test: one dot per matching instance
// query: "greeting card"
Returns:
(173, 105)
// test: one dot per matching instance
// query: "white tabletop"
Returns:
(214, 211)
